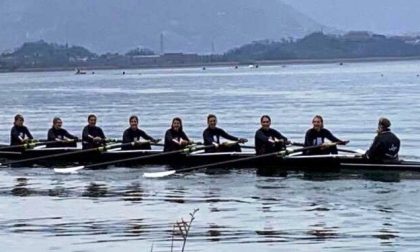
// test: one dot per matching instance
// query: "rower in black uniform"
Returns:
(134, 134)
(212, 134)
(19, 134)
(175, 137)
(316, 137)
(268, 140)
(62, 137)
(386, 145)
(92, 136)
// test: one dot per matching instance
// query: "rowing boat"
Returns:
(297, 161)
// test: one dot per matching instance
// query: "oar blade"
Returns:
(68, 170)
(158, 174)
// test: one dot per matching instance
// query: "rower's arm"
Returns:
(260, 136)
(279, 136)
(28, 134)
(126, 138)
(15, 136)
(86, 137)
(52, 137)
(101, 134)
(224, 134)
(68, 135)
(146, 136)
(169, 139)
(207, 138)
(308, 139)
(331, 137)
(185, 137)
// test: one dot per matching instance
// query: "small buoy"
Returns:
(236, 67)
(123, 72)
(204, 68)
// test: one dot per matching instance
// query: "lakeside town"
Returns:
(316, 47)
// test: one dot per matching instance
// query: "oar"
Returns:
(137, 142)
(253, 147)
(280, 153)
(27, 145)
(358, 151)
(186, 150)
(230, 143)
(98, 149)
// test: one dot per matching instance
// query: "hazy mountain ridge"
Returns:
(187, 25)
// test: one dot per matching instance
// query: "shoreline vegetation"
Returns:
(315, 48)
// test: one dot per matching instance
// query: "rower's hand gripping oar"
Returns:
(98, 149)
(280, 153)
(185, 150)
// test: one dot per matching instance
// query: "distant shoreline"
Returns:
(90, 69)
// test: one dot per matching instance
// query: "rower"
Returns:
(386, 145)
(133, 134)
(212, 134)
(268, 140)
(316, 136)
(92, 136)
(62, 137)
(19, 133)
(175, 137)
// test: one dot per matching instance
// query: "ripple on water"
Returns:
(240, 210)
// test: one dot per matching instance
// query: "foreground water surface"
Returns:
(118, 210)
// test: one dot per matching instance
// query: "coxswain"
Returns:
(175, 137)
(92, 136)
(62, 137)
(19, 133)
(316, 137)
(212, 134)
(268, 140)
(134, 134)
(386, 145)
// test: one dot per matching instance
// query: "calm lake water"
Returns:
(118, 210)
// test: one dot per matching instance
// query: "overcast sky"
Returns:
(382, 16)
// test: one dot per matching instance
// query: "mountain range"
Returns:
(199, 26)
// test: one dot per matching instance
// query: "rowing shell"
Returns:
(296, 161)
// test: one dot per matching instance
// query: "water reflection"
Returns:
(175, 195)
(387, 233)
(382, 176)
(214, 233)
(20, 189)
(133, 193)
(95, 190)
(302, 210)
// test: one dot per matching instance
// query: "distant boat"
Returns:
(78, 71)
